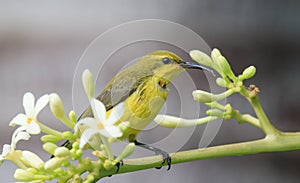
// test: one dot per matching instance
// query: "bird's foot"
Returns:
(166, 158)
(119, 164)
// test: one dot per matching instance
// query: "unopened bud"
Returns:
(57, 106)
(128, 150)
(215, 53)
(61, 152)
(53, 163)
(31, 160)
(68, 135)
(202, 96)
(75, 145)
(32, 170)
(225, 67)
(248, 73)
(50, 147)
(50, 138)
(108, 164)
(201, 58)
(215, 112)
(221, 82)
(124, 126)
(72, 116)
(90, 178)
(88, 83)
(23, 175)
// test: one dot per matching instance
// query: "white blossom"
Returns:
(101, 124)
(28, 120)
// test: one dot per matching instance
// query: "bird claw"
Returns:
(166, 158)
(119, 164)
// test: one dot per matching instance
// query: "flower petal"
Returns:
(111, 131)
(20, 119)
(99, 110)
(90, 122)
(22, 136)
(33, 128)
(115, 115)
(19, 136)
(85, 137)
(28, 103)
(40, 104)
(6, 149)
(32, 159)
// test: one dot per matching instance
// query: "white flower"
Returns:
(28, 120)
(5, 151)
(100, 124)
(16, 137)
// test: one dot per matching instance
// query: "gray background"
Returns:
(41, 43)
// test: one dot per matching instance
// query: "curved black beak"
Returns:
(194, 65)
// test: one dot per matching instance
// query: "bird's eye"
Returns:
(166, 60)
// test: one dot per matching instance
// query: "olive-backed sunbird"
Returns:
(143, 87)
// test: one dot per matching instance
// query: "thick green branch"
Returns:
(265, 123)
(276, 143)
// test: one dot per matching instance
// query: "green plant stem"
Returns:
(176, 122)
(67, 122)
(48, 130)
(241, 118)
(280, 142)
(265, 123)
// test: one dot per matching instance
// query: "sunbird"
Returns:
(143, 87)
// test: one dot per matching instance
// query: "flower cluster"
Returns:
(228, 81)
(102, 126)
(28, 123)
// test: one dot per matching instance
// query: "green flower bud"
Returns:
(50, 138)
(225, 67)
(124, 126)
(221, 82)
(75, 145)
(90, 178)
(31, 160)
(248, 73)
(128, 150)
(23, 175)
(108, 164)
(99, 154)
(53, 163)
(202, 96)
(88, 83)
(59, 171)
(68, 135)
(57, 106)
(215, 53)
(205, 97)
(50, 147)
(61, 152)
(78, 153)
(32, 170)
(215, 112)
(72, 116)
(201, 58)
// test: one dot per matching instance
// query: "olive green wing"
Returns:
(117, 90)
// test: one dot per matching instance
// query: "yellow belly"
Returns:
(142, 106)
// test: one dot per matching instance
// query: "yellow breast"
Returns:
(142, 106)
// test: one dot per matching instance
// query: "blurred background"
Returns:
(41, 43)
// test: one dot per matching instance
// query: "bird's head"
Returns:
(166, 64)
